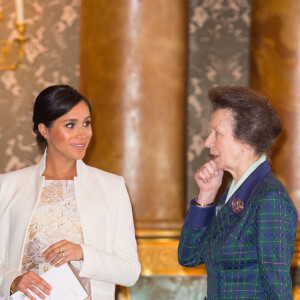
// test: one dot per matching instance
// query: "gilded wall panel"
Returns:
(169, 288)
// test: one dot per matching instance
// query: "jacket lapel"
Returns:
(238, 202)
(26, 197)
(91, 202)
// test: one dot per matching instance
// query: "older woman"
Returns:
(247, 240)
(62, 210)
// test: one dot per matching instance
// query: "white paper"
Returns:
(64, 284)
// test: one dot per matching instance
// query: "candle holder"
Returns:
(12, 52)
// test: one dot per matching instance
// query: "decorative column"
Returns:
(133, 70)
(275, 71)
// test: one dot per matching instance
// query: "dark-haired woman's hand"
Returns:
(32, 281)
(62, 252)
(209, 179)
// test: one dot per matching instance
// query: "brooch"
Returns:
(237, 205)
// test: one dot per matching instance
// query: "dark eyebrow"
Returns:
(76, 120)
(71, 120)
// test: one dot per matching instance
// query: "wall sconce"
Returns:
(12, 52)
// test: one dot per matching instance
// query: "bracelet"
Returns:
(12, 288)
(203, 205)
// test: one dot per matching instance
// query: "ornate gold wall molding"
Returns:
(296, 257)
(157, 250)
(159, 257)
(296, 293)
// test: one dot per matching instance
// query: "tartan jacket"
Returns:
(247, 247)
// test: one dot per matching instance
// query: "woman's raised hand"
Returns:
(32, 281)
(209, 179)
(62, 252)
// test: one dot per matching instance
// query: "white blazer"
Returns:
(110, 250)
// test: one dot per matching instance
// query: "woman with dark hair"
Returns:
(63, 211)
(247, 240)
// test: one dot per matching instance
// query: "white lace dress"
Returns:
(54, 219)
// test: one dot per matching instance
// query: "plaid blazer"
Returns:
(247, 247)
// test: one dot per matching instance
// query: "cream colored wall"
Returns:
(52, 57)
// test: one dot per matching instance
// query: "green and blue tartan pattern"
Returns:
(246, 257)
